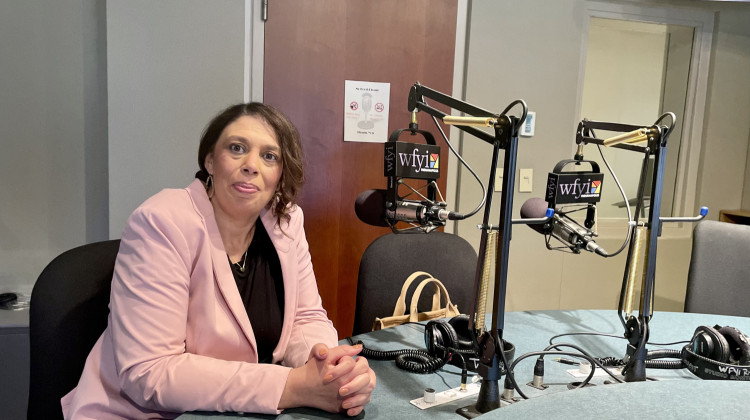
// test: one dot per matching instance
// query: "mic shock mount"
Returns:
(581, 189)
(414, 161)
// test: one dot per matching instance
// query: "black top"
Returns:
(261, 288)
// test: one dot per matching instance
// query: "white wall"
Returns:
(173, 64)
(52, 133)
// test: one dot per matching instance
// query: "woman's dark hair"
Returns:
(286, 134)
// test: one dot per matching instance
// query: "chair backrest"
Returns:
(68, 312)
(719, 276)
(391, 258)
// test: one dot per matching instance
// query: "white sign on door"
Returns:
(366, 111)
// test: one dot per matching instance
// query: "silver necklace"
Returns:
(243, 260)
(241, 267)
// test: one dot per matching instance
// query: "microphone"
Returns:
(566, 231)
(370, 208)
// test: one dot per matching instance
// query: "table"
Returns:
(14, 359)
(676, 394)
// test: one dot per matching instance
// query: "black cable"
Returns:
(445, 382)
(508, 373)
(671, 126)
(471, 171)
(669, 344)
(651, 361)
(631, 222)
(665, 364)
(388, 355)
(585, 355)
(663, 354)
(460, 353)
(522, 120)
(650, 356)
(542, 353)
(624, 197)
(419, 361)
(610, 361)
(596, 333)
(415, 360)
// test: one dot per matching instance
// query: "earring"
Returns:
(210, 185)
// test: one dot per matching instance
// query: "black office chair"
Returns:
(68, 312)
(719, 275)
(391, 258)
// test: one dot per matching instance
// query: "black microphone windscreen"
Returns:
(535, 208)
(370, 207)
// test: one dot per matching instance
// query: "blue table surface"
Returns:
(673, 393)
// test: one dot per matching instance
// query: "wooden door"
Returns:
(311, 48)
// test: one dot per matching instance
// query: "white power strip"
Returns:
(447, 396)
(577, 373)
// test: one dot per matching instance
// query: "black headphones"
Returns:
(718, 353)
(443, 340)
(442, 337)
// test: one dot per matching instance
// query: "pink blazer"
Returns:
(179, 338)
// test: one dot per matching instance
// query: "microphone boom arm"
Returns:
(494, 351)
(418, 92)
(655, 138)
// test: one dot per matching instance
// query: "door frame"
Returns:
(255, 12)
(695, 106)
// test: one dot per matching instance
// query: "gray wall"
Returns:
(172, 65)
(532, 50)
(727, 130)
(52, 132)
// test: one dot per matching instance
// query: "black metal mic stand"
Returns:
(495, 353)
(636, 328)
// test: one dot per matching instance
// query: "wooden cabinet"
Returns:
(741, 217)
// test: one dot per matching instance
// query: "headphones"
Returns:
(718, 353)
(443, 337)
(443, 341)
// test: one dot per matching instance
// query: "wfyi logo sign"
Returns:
(411, 160)
(577, 187)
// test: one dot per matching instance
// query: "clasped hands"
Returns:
(331, 380)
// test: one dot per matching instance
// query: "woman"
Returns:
(214, 304)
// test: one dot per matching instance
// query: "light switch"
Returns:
(527, 129)
(499, 180)
(526, 179)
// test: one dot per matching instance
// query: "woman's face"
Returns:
(246, 168)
